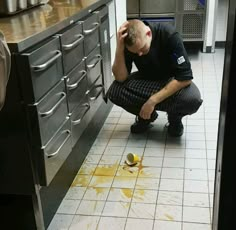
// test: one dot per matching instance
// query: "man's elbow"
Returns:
(120, 78)
(184, 83)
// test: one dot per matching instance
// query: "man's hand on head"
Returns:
(122, 33)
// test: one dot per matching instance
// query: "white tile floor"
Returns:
(172, 187)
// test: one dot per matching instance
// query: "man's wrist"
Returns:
(152, 101)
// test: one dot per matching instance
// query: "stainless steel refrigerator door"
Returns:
(157, 6)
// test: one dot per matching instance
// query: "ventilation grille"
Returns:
(192, 26)
(192, 5)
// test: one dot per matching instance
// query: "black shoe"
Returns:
(176, 129)
(141, 125)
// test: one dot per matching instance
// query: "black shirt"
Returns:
(166, 58)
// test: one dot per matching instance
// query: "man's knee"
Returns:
(195, 105)
(190, 100)
(114, 92)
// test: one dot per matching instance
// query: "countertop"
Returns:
(33, 25)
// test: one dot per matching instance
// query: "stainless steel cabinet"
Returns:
(157, 6)
(55, 153)
(63, 84)
(52, 112)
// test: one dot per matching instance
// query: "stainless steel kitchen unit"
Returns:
(188, 16)
(150, 8)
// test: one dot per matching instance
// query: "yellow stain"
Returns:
(140, 192)
(100, 180)
(81, 181)
(127, 171)
(99, 190)
(169, 217)
(106, 170)
(127, 192)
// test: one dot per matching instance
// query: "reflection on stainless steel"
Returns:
(8, 6)
(32, 2)
(51, 15)
(22, 4)
(5, 65)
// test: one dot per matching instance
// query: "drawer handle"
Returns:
(98, 94)
(75, 85)
(75, 43)
(63, 142)
(98, 59)
(96, 25)
(41, 67)
(51, 111)
(87, 107)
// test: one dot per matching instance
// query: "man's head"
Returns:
(139, 37)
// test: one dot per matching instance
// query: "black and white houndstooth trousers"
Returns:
(134, 92)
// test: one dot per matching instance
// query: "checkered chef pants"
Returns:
(134, 92)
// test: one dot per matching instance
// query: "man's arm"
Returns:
(119, 68)
(172, 87)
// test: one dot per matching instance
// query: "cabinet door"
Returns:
(133, 7)
(72, 47)
(91, 33)
(40, 69)
(80, 118)
(77, 85)
(48, 114)
(54, 154)
(96, 93)
(157, 7)
(93, 64)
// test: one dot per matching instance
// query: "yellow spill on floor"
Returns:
(127, 192)
(81, 180)
(169, 217)
(106, 170)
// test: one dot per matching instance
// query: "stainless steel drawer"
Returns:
(80, 119)
(96, 94)
(40, 67)
(76, 82)
(93, 64)
(55, 153)
(91, 33)
(51, 111)
(72, 47)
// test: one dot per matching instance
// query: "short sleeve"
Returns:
(179, 61)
